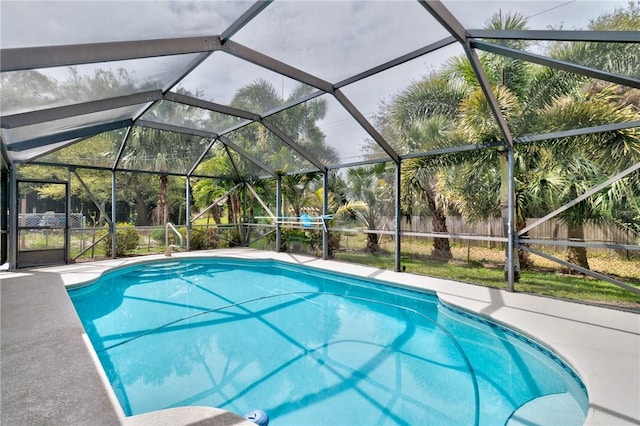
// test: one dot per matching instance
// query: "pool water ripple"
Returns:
(310, 347)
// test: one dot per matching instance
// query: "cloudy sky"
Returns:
(329, 39)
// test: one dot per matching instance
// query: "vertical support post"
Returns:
(4, 208)
(278, 212)
(244, 228)
(13, 219)
(187, 212)
(325, 208)
(511, 220)
(67, 219)
(112, 226)
(398, 217)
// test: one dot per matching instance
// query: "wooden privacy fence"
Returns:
(552, 229)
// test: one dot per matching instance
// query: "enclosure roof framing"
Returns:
(190, 70)
(29, 58)
(67, 111)
(554, 63)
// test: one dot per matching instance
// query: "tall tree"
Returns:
(298, 123)
(424, 115)
(160, 151)
(369, 197)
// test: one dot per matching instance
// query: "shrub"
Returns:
(334, 243)
(158, 235)
(126, 240)
(232, 236)
(294, 239)
(213, 238)
(199, 239)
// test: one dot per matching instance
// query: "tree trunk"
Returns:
(230, 207)
(162, 199)
(441, 248)
(373, 244)
(577, 255)
(215, 212)
(524, 258)
(234, 216)
(142, 216)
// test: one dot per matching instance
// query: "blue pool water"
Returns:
(314, 348)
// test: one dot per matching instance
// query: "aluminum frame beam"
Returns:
(260, 59)
(244, 19)
(262, 203)
(123, 145)
(557, 35)
(293, 103)
(27, 58)
(366, 125)
(278, 212)
(448, 41)
(582, 197)
(200, 158)
(325, 212)
(398, 217)
(176, 129)
(236, 127)
(561, 243)
(67, 111)
(452, 150)
(68, 135)
(585, 271)
(91, 196)
(457, 30)
(57, 147)
(210, 106)
(5, 161)
(359, 163)
(512, 236)
(4, 215)
(578, 132)
(225, 140)
(488, 93)
(208, 135)
(293, 144)
(216, 201)
(112, 225)
(233, 163)
(110, 169)
(557, 64)
(445, 18)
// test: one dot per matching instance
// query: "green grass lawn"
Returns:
(485, 267)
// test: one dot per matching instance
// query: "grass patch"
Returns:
(485, 267)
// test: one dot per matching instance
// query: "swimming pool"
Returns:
(311, 347)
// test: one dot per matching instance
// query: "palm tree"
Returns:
(424, 115)
(420, 179)
(161, 151)
(369, 196)
(296, 190)
(299, 123)
(540, 100)
(589, 159)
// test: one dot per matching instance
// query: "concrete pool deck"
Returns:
(49, 373)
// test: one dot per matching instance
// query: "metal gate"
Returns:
(43, 223)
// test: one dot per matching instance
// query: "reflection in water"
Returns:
(306, 347)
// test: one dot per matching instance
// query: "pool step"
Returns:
(552, 410)
(159, 270)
